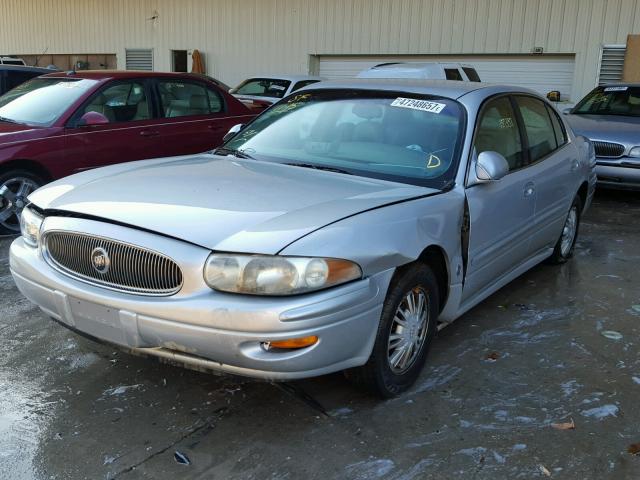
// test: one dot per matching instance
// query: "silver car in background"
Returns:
(610, 117)
(337, 231)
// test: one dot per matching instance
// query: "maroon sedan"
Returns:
(62, 123)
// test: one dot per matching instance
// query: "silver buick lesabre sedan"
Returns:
(337, 231)
(610, 117)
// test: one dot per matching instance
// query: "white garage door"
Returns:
(542, 73)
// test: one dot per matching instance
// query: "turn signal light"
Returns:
(292, 342)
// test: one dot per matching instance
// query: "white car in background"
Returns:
(262, 92)
(12, 61)
(426, 70)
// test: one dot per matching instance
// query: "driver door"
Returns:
(131, 134)
(501, 213)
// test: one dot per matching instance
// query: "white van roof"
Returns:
(409, 69)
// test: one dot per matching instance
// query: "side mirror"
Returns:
(92, 118)
(232, 132)
(491, 166)
(553, 96)
(566, 111)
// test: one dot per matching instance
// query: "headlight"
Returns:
(30, 223)
(274, 275)
(635, 152)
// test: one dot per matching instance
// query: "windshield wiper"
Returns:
(234, 152)
(325, 168)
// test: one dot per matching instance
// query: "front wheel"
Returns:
(565, 245)
(405, 331)
(15, 187)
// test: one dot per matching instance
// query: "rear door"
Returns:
(131, 133)
(193, 116)
(553, 163)
(501, 213)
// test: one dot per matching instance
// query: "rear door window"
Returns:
(538, 127)
(472, 75)
(452, 74)
(182, 99)
(558, 127)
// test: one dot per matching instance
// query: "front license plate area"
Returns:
(97, 320)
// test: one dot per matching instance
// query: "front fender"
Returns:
(391, 236)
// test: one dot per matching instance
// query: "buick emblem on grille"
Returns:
(100, 260)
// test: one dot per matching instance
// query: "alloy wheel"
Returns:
(13, 198)
(409, 329)
(569, 231)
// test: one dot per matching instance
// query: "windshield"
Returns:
(613, 100)
(263, 87)
(383, 135)
(41, 101)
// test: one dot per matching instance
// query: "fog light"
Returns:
(291, 343)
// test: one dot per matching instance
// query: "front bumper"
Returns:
(623, 173)
(203, 329)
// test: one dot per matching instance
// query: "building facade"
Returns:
(565, 45)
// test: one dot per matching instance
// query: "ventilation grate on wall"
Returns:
(611, 64)
(139, 59)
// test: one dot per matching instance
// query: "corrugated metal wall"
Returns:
(245, 37)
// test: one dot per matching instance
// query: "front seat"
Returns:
(198, 105)
(99, 105)
(369, 130)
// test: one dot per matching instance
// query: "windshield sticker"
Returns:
(422, 105)
(505, 122)
(433, 162)
(615, 89)
(276, 87)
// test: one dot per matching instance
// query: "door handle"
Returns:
(574, 164)
(149, 133)
(529, 189)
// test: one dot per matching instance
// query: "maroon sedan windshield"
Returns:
(41, 101)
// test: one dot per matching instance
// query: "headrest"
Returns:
(198, 102)
(367, 110)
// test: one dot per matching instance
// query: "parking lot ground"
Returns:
(558, 345)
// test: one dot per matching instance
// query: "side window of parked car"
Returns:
(122, 102)
(498, 131)
(538, 127)
(452, 74)
(181, 99)
(16, 78)
(303, 83)
(558, 127)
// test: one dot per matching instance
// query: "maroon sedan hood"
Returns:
(15, 132)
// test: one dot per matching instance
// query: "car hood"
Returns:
(13, 132)
(221, 203)
(610, 128)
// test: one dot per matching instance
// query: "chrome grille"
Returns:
(128, 269)
(608, 149)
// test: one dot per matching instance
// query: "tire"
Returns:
(379, 375)
(20, 183)
(565, 245)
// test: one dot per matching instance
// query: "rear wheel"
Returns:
(563, 250)
(15, 187)
(406, 329)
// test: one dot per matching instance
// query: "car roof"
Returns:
(443, 88)
(620, 84)
(413, 65)
(292, 78)
(118, 74)
(24, 68)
